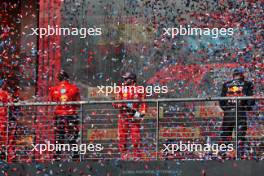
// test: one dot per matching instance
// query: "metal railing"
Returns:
(168, 124)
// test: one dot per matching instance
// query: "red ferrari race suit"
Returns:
(129, 121)
(4, 98)
(65, 92)
(67, 121)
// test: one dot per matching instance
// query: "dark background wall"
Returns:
(9, 45)
(191, 66)
(18, 50)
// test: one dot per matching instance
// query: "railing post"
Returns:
(157, 131)
(7, 132)
(81, 128)
(236, 129)
(34, 110)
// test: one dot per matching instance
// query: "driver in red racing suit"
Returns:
(67, 121)
(4, 99)
(130, 116)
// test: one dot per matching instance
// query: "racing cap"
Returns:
(239, 71)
